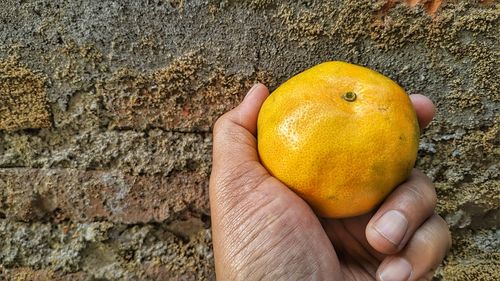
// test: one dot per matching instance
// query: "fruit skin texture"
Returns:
(342, 157)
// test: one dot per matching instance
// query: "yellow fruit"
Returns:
(340, 135)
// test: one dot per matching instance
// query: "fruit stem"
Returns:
(349, 96)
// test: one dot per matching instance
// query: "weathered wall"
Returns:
(106, 109)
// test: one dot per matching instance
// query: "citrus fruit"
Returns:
(340, 135)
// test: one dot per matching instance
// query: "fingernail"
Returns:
(392, 225)
(251, 90)
(397, 269)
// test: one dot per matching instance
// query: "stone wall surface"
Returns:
(106, 110)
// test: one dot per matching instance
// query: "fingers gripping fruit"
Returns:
(340, 135)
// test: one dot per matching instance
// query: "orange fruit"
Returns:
(340, 135)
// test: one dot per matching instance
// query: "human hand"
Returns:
(263, 231)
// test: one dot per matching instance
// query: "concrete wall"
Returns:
(106, 109)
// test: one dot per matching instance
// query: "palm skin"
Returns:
(263, 231)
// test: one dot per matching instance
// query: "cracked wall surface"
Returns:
(106, 110)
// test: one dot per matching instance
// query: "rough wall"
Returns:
(106, 109)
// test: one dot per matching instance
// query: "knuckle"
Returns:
(238, 136)
(422, 192)
(434, 232)
(431, 196)
(220, 123)
(227, 132)
(226, 127)
(421, 177)
(420, 198)
(440, 221)
(445, 229)
(425, 239)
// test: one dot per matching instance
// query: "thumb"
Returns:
(259, 226)
(235, 132)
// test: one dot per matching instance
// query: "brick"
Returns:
(102, 251)
(82, 196)
(139, 153)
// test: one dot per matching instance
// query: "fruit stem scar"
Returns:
(349, 96)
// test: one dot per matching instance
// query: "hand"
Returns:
(263, 231)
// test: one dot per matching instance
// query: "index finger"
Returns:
(402, 213)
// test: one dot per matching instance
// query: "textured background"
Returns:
(106, 109)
